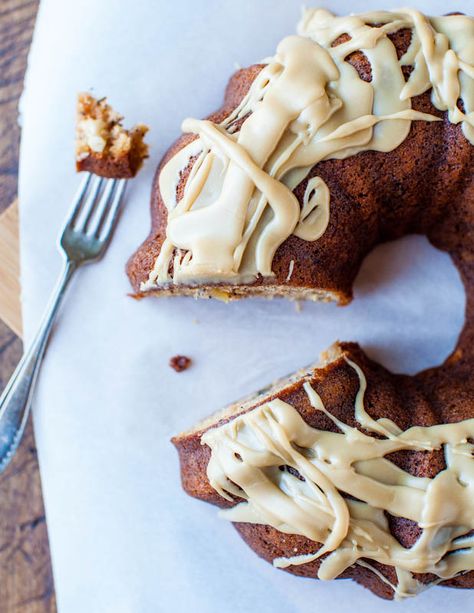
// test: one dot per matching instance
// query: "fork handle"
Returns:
(15, 402)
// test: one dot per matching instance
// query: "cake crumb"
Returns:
(136, 296)
(298, 306)
(103, 146)
(180, 363)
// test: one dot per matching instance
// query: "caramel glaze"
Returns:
(424, 186)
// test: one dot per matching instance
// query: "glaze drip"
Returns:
(248, 453)
(306, 105)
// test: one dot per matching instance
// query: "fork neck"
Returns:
(69, 268)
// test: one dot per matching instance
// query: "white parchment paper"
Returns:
(124, 537)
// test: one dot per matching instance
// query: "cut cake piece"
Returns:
(103, 146)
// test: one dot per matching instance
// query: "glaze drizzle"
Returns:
(250, 456)
(306, 105)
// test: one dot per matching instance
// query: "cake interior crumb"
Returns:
(101, 134)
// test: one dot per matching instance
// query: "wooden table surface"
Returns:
(26, 583)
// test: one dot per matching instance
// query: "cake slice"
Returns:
(353, 133)
(103, 146)
(345, 470)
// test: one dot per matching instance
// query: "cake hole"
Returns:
(415, 300)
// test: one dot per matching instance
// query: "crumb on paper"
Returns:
(298, 306)
(180, 363)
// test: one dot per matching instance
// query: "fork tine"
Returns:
(81, 220)
(101, 209)
(110, 218)
(86, 238)
(78, 200)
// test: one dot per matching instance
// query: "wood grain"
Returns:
(10, 311)
(26, 583)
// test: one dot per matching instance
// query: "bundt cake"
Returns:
(103, 146)
(358, 131)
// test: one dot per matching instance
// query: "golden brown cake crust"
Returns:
(425, 186)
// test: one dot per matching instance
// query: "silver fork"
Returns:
(85, 237)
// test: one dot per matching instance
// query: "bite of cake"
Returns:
(103, 146)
